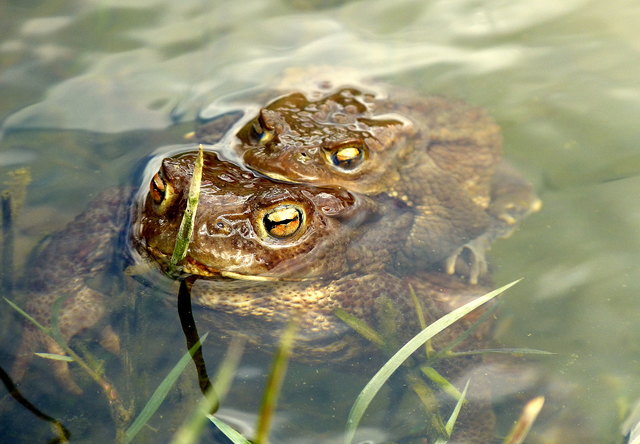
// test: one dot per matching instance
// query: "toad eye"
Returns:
(260, 132)
(158, 189)
(347, 157)
(161, 192)
(283, 221)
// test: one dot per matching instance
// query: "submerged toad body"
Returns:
(247, 227)
(438, 155)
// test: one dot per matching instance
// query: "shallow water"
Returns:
(89, 89)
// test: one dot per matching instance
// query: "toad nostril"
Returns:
(303, 157)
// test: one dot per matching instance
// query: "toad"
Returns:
(247, 227)
(438, 155)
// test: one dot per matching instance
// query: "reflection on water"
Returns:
(88, 89)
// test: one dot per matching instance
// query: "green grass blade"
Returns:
(191, 429)
(429, 401)
(428, 348)
(161, 393)
(361, 327)
(55, 357)
(454, 415)
(373, 386)
(418, 307)
(508, 351)
(456, 411)
(445, 352)
(44, 329)
(56, 334)
(227, 370)
(185, 231)
(274, 382)
(441, 382)
(119, 413)
(229, 432)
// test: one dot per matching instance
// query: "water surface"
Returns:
(89, 88)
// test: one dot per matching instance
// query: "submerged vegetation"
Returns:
(192, 427)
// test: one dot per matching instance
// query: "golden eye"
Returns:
(283, 221)
(157, 189)
(347, 157)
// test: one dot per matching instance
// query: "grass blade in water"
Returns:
(274, 383)
(454, 415)
(227, 370)
(161, 393)
(186, 225)
(361, 327)
(456, 411)
(28, 317)
(506, 351)
(527, 418)
(441, 382)
(631, 425)
(55, 357)
(373, 386)
(190, 430)
(229, 432)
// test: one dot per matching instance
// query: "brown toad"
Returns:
(246, 227)
(440, 156)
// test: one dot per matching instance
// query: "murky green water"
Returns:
(90, 87)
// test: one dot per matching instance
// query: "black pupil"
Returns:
(275, 226)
